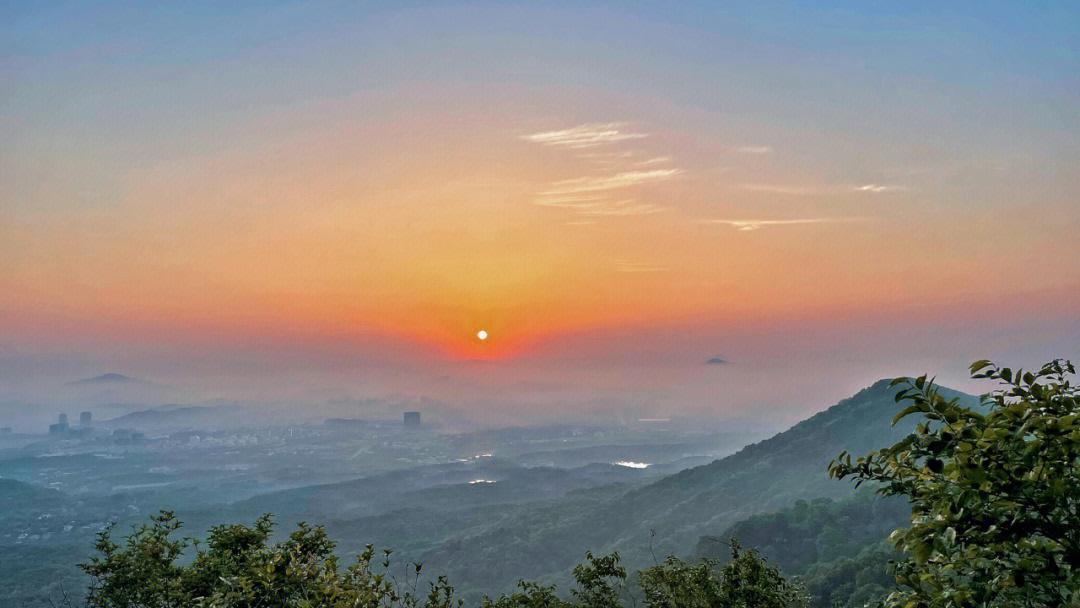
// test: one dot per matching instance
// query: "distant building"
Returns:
(126, 436)
(412, 420)
(60, 428)
(84, 419)
(5, 431)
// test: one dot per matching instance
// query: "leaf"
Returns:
(907, 411)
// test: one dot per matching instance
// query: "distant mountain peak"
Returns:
(108, 378)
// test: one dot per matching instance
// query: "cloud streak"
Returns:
(584, 136)
(610, 182)
(820, 190)
(747, 225)
(591, 195)
(600, 206)
(877, 188)
(602, 195)
(656, 160)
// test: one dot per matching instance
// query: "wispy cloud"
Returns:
(877, 188)
(746, 225)
(584, 136)
(602, 195)
(592, 195)
(819, 190)
(754, 149)
(610, 182)
(656, 160)
(600, 206)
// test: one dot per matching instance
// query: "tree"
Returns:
(240, 568)
(600, 581)
(994, 492)
(143, 572)
(748, 581)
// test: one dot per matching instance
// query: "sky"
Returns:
(299, 201)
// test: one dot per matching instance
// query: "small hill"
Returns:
(21, 499)
(110, 378)
(180, 417)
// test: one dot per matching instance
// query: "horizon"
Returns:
(286, 204)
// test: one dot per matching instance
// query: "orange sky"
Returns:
(423, 208)
(437, 226)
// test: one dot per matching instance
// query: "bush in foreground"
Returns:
(995, 493)
(240, 567)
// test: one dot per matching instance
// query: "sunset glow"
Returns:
(616, 186)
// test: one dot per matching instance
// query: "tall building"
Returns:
(84, 419)
(412, 420)
(61, 426)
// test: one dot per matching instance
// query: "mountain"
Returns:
(180, 417)
(669, 516)
(113, 390)
(110, 378)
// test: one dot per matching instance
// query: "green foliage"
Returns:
(601, 581)
(530, 595)
(677, 584)
(813, 532)
(748, 581)
(995, 494)
(144, 572)
(837, 549)
(852, 581)
(239, 567)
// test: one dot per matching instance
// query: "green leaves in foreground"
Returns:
(239, 567)
(995, 495)
(746, 581)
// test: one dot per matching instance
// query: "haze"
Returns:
(708, 213)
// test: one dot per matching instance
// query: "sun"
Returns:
(481, 335)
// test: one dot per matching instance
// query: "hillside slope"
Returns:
(670, 515)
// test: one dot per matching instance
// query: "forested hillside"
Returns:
(670, 515)
(837, 548)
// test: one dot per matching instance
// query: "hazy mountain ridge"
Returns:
(109, 378)
(671, 514)
(532, 522)
(178, 417)
(449, 488)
